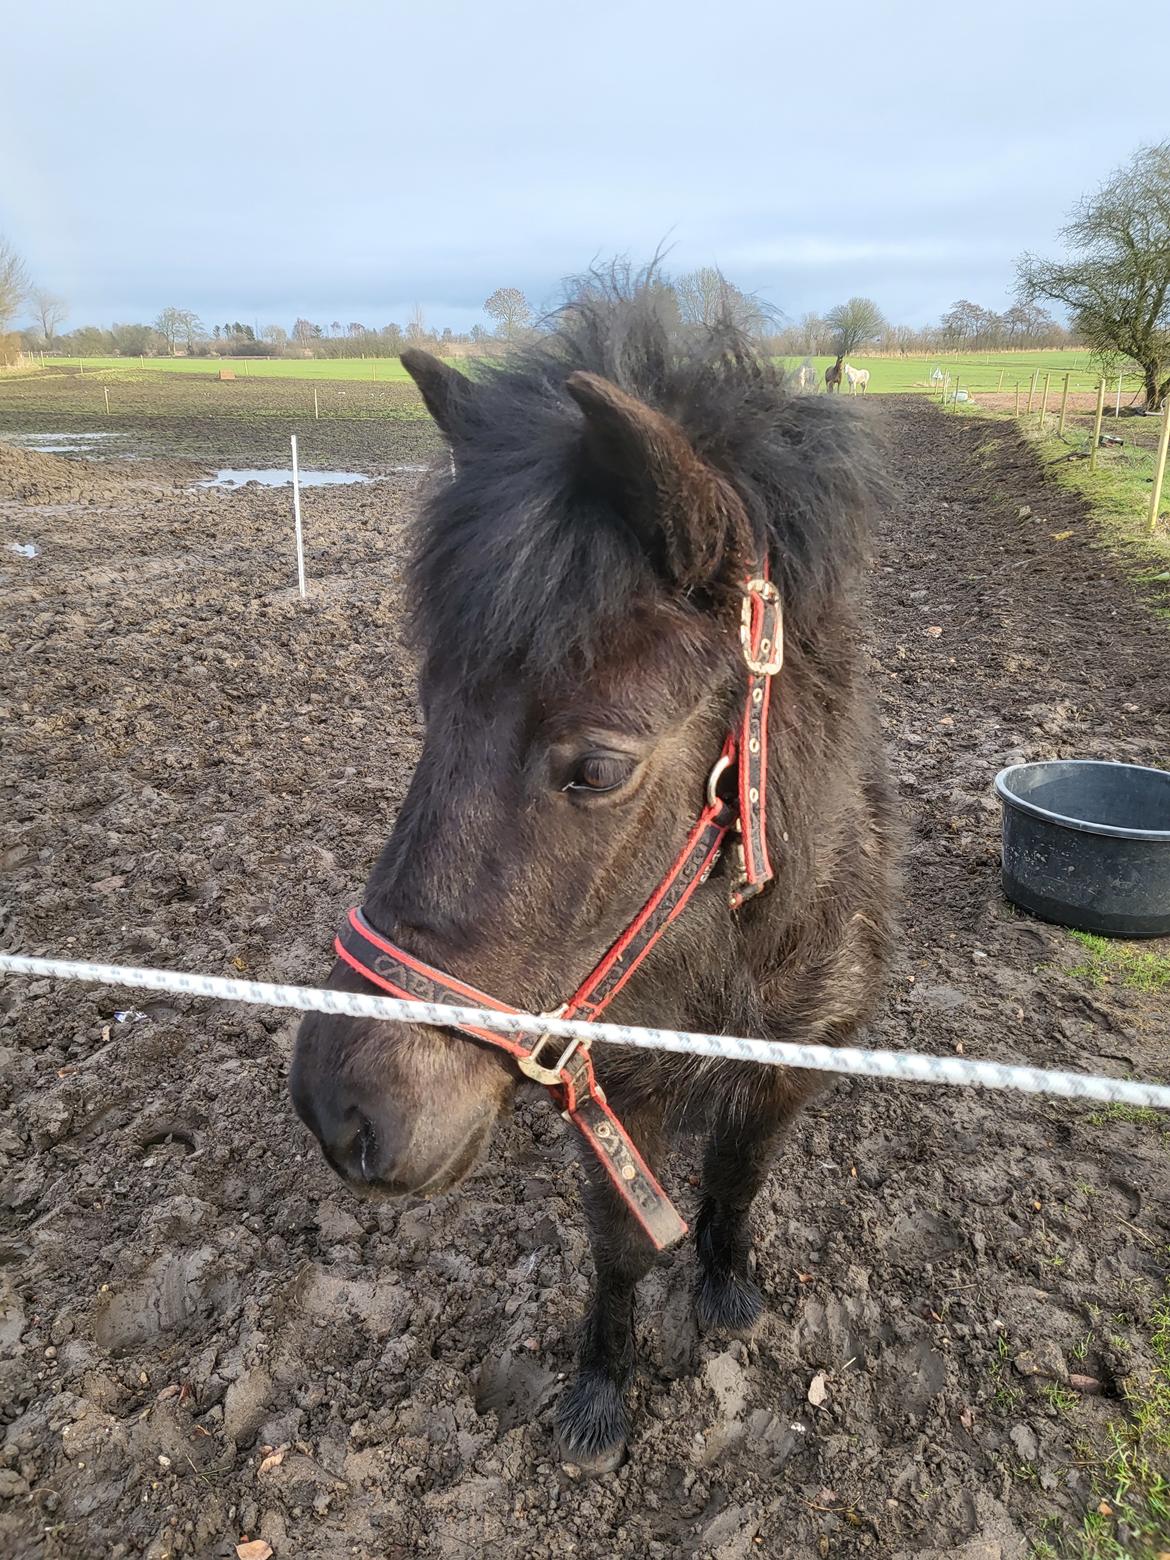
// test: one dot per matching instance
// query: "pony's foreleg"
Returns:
(591, 1415)
(739, 1152)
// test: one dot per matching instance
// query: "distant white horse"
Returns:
(805, 376)
(858, 378)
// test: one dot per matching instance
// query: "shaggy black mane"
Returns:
(517, 560)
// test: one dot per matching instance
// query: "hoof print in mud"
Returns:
(591, 1419)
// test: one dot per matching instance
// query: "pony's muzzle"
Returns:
(394, 1127)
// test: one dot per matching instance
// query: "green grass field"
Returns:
(980, 372)
(976, 371)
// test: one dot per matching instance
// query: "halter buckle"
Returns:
(770, 656)
(532, 1068)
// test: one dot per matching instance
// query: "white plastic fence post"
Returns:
(297, 518)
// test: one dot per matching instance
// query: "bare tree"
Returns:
(167, 325)
(899, 338)
(702, 295)
(1117, 285)
(853, 325)
(967, 325)
(706, 297)
(49, 311)
(190, 328)
(175, 325)
(416, 329)
(276, 334)
(14, 282)
(511, 311)
(810, 333)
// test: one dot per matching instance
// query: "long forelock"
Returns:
(516, 561)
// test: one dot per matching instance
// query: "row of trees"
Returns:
(1114, 283)
(181, 332)
(965, 327)
(700, 297)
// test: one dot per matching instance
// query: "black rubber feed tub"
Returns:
(1087, 844)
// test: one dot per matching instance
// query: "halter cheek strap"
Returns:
(566, 1070)
(761, 637)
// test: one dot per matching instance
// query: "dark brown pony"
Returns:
(833, 374)
(576, 588)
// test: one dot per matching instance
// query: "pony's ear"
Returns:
(688, 517)
(448, 393)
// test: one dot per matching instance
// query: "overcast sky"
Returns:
(259, 161)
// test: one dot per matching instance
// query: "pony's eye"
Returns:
(597, 773)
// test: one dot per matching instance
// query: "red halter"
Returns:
(570, 1078)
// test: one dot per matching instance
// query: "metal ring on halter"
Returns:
(721, 764)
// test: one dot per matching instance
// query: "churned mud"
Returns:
(204, 1338)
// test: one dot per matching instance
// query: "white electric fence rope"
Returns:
(852, 1060)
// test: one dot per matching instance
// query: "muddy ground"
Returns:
(204, 1337)
(363, 425)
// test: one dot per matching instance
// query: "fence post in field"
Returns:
(1017, 411)
(106, 390)
(1032, 390)
(1000, 385)
(1063, 405)
(1097, 426)
(316, 408)
(296, 487)
(374, 366)
(1117, 408)
(1159, 468)
(1044, 401)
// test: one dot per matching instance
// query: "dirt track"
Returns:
(198, 772)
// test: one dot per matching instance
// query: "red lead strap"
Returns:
(570, 1078)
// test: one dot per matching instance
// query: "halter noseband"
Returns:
(566, 1070)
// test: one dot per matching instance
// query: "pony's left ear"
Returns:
(687, 517)
(448, 394)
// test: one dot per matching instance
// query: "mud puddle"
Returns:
(281, 476)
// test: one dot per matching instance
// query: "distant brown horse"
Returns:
(624, 499)
(833, 374)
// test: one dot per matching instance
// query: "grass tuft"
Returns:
(1109, 961)
(1131, 1519)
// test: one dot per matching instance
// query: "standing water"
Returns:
(280, 476)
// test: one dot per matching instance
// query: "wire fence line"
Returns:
(852, 1061)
